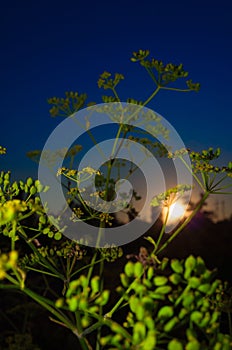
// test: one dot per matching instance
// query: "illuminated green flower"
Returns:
(2, 150)
(10, 209)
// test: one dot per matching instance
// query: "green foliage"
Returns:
(207, 174)
(85, 299)
(106, 82)
(160, 307)
(71, 103)
(111, 254)
(14, 211)
(166, 198)
(163, 74)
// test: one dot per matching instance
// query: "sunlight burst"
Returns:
(176, 212)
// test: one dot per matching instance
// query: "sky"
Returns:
(51, 47)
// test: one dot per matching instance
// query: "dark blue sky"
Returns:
(51, 47)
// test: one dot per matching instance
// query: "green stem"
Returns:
(162, 231)
(92, 328)
(185, 223)
(152, 96)
(41, 271)
(84, 342)
(8, 286)
(46, 304)
(107, 322)
(92, 264)
(116, 94)
(116, 140)
(74, 260)
(218, 182)
(44, 262)
(211, 182)
(100, 306)
(12, 243)
(149, 71)
(192, 173)
(175, 89)
(91, 136)
(86, 267)
(27, 215)
(205, 179)
(12, 280)
(218, 192)
(119, 302)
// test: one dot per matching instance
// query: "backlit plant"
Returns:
(162, 303)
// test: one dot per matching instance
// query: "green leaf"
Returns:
(116, 339)
(194, 282)
(164, 264)
(193, 345)
(205, 320)
(59, 302)
(150, 272)
(140, 311)
(140, 327)
(171, 324)
(84, 282)
(177, 266)
(160, 280)
(149, 322)
(151, 240)
(190, 264)
(83, 304)
(175, 278)
(213, 287)
(95, 285)
(163, 290)
(42, 219)
(148, 303)
(124, 280)
(165, 312)
(157, 296)
(138, 269)
(50, 234)
(72, 287)
(29, 181)
(38, 185)
(147, 283)
(85, 321)
(214, 317)
(175, 345)
(188, 300)
(129, 269)
(73, 304)
(103, 298)
(183, 312)
(196, 316)
(57, 236)
(150, 342)
(204, 288)
(133, 303)
(200, 267)
(191, 334)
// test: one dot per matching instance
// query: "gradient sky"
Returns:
(50, 47)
